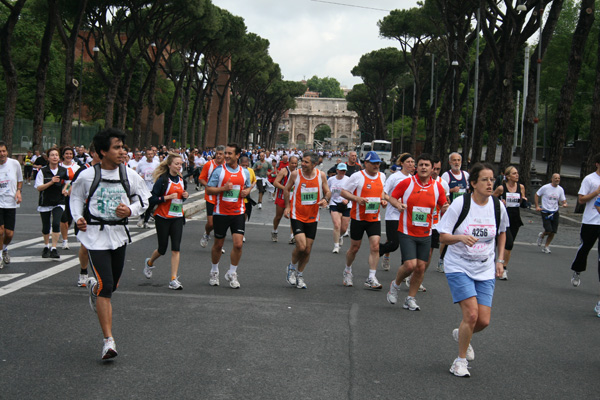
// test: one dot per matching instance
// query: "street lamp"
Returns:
(535, 181)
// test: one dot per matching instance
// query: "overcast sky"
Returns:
(310, 37)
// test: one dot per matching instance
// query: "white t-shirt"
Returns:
(391, 212)
(133, 164)
(589, 184)
(145, 170)
(447, 190)
(476, 261)
(551, 196)
(199, 162)
(10, 174)
(104, 203)
(336, 185)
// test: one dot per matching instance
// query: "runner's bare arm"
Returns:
(280, 175)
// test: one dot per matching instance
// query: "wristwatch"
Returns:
(500, 261)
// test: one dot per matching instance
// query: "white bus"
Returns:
(383, 148)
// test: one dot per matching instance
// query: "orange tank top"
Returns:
(230, 202)
(306, 197)
(207, 171)
(172, 208)
(371, 189)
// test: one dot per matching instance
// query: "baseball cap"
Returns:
(342, 167)
(372, 157)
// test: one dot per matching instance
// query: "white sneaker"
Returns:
(347, 233)
(91, 285)
(300, 284)
(422, 288)
(341, 241)
(204, 240)
(460, 368)
(146, 226)
(291, 275)
(292, 240)
(214, 279)
(407, 281)
(147, 269)
(373, 284)
(109, 350)
(336, 248)
(82, 282)
(440, 266)
(347, 279)
(392, 295)
(222, 250)
(504, 276)
(546, 250)
(385, 263)
(231, 277)
(140, 223)
(411, 304)
(65, 245)
(260, 206)
(576, 279)
(470, 351)
(597, 309)
(175, 284)
(273, 236)
(540, 238)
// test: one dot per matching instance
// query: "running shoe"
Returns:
(392, 295)
(91, 284)
(341, 241)
(385, 263)
(300, 284)
(146, 226)
(244, 239)
(422, 288)
(204, 240)
(82, 282)
(411, 304)
(214, 279)
(576, 279)
(407, 281)
(222, 250)
(546, 250)
(5, 257)
(347, 279)
(373, 284)
(231, 277)
(347, 233)
(273, 236)
(336, 248)
(197, 188)
(46, 252)
(260, 206)
(109, 350)
(291, 275)
(140, 223)
(597, 309)
(1, 264)
(540, 238)
(470, 351)
(65, 245)
(440, 266)
(292, 240)
(460, 368)
(54, 253)
(504, 276)
(147, 269)
(175, 285)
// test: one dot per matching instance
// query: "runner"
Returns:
(352, 164)
(49, 182)
(133, 163)
(28, 166)
(261, 169)
(416, 198)
(168, 193)
(339, 207)
(305, 191)
(145, 168)
(65, 221)
(101, 213)
(551, 194)
(512, 194)
(392, 215)
(248, 202)
(470, 266)
(435, 235)
(280, 181)
(271, 178)
(206, 173)
(365, 190)
(230, 184)
(11, 185)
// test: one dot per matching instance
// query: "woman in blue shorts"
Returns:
(469, 262)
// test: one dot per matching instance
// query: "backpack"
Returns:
(465, 211)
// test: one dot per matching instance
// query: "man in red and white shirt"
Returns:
(417, 199)
(207, 171)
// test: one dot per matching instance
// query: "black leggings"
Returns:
(511, 236)
(391, 233)
(147, 215)
(56, 215)
(108, 267)
(588, 234)
(168, 227)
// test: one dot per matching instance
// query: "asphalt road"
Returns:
(270, 341)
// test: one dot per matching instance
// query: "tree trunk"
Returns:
(186, 113)
(594, 120)
(567, 93)
(415, 119)
(123, 99)
(494, 127)
(151, 108)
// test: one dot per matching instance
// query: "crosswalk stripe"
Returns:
(10, 277)
(30, 259)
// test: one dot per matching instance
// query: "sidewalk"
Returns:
(567, 214)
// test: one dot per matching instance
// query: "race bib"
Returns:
(484, 229)
(232, 195)
(419, 216)
(460, 192)
(176, 208)
(309, 196)
(513, 199)
(148, 176)
(4, 185)
(372, 206)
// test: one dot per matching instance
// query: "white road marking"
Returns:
(30, 259)
(10, 277)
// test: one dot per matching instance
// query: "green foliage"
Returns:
(322, 132)
(327, 87)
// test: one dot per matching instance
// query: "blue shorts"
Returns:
(463, 287)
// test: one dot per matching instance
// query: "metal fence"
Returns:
(23, 134)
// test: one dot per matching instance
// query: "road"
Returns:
(270, 341)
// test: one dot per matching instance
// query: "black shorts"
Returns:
(108, 268)
(66, 215)
(308, 228)
(210, 208)
(248, 209)
(260, 187)
(235, 223)
(435, 239)
(550, 221)
(8, 218)
(358, 228)
(414, 248)
(344, 211)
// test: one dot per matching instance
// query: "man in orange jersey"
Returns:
(207, 170)
(280, 181)
(305, 191)
(229, 184)
(416, 199)
(365, 190)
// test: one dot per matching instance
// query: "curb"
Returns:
(570, 221)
